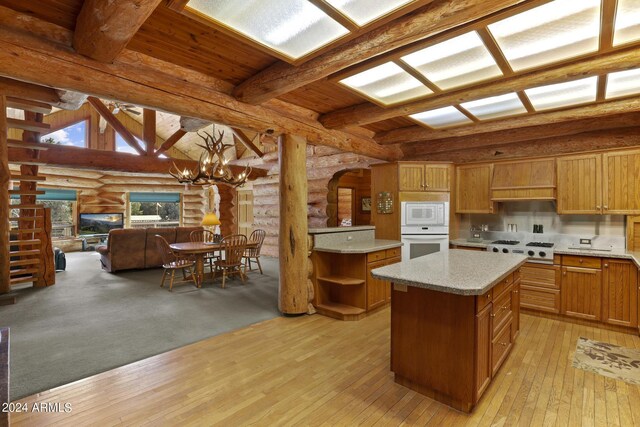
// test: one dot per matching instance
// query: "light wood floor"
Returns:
(314, 370)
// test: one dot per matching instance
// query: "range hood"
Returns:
(524, 180)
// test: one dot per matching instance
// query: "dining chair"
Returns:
(254, 252)
(172, 262)
(210, 237)
(233, 247)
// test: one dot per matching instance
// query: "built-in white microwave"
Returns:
(424, 214)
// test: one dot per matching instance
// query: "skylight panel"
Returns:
(456, 62)
(563, 94)
(623, 83)
(292, 27)
(442, 117)
(364, 11)
(496, 106)
(387, 83)
(627, 24)
(549, 33)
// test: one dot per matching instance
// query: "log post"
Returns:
(293, 294)
(5, 179)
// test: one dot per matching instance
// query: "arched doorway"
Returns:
(349, 198)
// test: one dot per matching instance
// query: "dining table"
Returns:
(199, 250)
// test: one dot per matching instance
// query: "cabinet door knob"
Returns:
(504, 344)
(606, 207)
(598, 207)
(564, 273)
(580, 261)
(606, 266)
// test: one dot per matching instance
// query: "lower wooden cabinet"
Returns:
(515, 308)
(620, 293)
(540, 287)
(483, 349)
(379, 291)
(582, 292)
(501, 346)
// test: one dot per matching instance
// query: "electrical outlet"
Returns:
(349, 238)
(585, 241)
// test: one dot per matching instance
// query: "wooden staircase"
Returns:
(30, 250)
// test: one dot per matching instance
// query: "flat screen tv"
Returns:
(100, 223)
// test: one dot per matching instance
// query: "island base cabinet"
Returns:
(446, 346)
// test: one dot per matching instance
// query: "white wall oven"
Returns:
(424, 228)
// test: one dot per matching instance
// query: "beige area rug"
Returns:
(610, 360)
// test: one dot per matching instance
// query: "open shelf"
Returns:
(341, 280)
(345, 310)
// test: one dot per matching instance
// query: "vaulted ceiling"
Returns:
(377, 75)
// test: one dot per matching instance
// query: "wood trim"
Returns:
(525, 101)
(5, 181)
(177, 5)
(149, 130)
(434, 18)
(607, 18)
(591, 66)
(496, 52)
(101, 32)
(336, 15)
(115, 123)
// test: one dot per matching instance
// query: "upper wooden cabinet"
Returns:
(473, 194)
(524, 180)
(621, 185)
(424, 177)
(580, 184)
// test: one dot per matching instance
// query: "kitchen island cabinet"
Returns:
(452, 322)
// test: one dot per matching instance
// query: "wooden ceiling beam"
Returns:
(28, 105)
(421, 133)
(149, 130)
(87, 158)
(115, 123)
(22, 90)
(510, 136)
(600, 64)
(39, 61)
(171, 141)
(586, 141)
(240, 147)
(103, 28)
(246, 141)
(434, 18)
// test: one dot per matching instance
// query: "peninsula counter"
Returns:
(454, 318)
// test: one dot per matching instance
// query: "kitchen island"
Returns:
(454, 318)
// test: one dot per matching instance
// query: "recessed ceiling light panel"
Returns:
(292, 27)
(553, 32)
(442, 117)
(623, 83)
(496, 106)
(387, 83)
(364, 11)
(563, 94)
(627, 24)
(456, 62)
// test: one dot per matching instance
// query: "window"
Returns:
(442, 117)
(62, 204)
(123, 147)
(154, 209)
(74, 135)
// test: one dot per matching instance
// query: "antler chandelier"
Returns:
(212, 167)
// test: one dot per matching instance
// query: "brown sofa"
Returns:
(136, 248)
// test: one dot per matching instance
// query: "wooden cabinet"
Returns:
(424, 177)
(379, 291)
(582, 292)
(621, 182)
(619, 293)
(473, 189)
(580, 184)
(515, 308)
(524, 180)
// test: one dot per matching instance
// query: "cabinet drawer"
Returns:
(534, 275)
(501, 310)
(501, 286)
(501, 346)
(581, 261)
(392, 253)
(375, 256)
(483, 300)
(540, 299)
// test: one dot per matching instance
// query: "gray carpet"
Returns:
(92, 321)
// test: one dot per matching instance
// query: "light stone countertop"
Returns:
(323, 230)
(613, 253)
(360, 247)
(456, 271)
(465, 242)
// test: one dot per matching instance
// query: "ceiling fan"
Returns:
(116, 107)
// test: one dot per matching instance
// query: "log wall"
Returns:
(322, 164)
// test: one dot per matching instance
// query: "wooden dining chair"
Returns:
(209, 237)
(254, 252)
(172, 262)
(233, 247)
